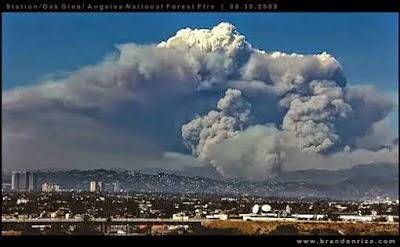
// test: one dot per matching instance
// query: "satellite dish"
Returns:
(266, 208)
(255, 209)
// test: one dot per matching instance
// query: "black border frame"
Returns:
(220, 6)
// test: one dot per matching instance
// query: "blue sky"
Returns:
(35, 45)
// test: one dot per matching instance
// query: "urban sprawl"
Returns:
(30, 208)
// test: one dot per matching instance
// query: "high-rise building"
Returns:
(23, 178)
(15, 181)
(93, 186)
(31, 181)
(117, 187)
(100, 187)
(22, 181)
(96, 186)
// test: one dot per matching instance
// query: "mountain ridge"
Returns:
(361, 182)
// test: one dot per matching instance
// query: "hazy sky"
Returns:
(46, 47)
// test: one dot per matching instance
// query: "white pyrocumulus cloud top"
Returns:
(246, 111)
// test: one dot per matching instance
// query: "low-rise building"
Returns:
(217, 217)
(50, 187)
(180, 216)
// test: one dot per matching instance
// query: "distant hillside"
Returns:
(196, 171)
(360, 182)
(380, 171)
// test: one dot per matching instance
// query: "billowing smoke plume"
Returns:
(279, 111)
(312, 118)
(203, 131)
(255, 153)
(233, 104)
(313, 101)
(262, 151)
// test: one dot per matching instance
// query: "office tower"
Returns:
(23, 181)
(116, 187)
(93, 186)
(31, 181)
(100, 186)
(15, 181)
